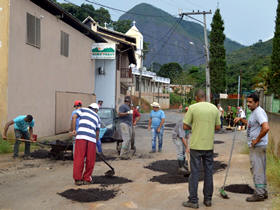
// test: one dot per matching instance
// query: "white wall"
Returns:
(105, 85)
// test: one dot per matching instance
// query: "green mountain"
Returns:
(248, 61)
(246, 53)
(169, 41)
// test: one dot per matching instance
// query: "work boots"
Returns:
(255, 198)
(182, 170)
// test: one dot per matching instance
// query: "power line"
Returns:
(120, 10)
(172, 30)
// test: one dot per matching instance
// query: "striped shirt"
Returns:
(88, 125)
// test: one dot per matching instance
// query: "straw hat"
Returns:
(155, 104)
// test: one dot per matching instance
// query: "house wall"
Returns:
(105, 85)
(36, 74)
(4, 46)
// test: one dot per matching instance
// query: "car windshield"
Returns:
(105, 113)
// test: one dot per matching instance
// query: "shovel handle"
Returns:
(26, 140)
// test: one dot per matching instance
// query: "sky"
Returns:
(245, 21)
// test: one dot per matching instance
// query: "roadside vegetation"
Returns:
(8, 146)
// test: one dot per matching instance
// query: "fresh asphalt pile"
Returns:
(106, 181)
(239, 188)
(40, 154)
(89, 195)
(170, 167)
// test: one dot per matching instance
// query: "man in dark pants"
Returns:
(21, 125)
(203, 119)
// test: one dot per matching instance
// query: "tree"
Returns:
(100, 15)
(122, 25)
(170, 70)
(273, 84)
(217, 63)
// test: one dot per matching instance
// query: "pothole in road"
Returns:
(239, 188)
(89, 195)
(218, 142)
(170, 167)
(106, 181)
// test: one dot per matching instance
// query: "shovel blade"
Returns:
(110, 173)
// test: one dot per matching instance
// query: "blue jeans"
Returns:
(155, 134)
(21, 135)
(206, 156)
(222, 120)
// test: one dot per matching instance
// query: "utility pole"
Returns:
(208, 90)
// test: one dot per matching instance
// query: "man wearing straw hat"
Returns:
(156, 122)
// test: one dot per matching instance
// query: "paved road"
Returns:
(34, 184)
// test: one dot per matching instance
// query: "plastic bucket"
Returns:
(34, 137)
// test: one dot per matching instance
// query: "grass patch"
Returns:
(8, 146)
(273, 173)
(5, 147)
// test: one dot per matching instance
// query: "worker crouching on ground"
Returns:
(203, 119)
(23, 127)
(125, 120)
(85, 146)
(180, 139)
(257, 135)
(156, 122)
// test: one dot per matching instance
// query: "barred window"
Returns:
(64, 44)
(33, 35)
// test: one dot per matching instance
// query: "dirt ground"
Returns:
(48, 184)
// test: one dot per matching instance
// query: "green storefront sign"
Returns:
(103, 51)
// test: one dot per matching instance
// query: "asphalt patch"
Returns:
(239, 188)
(170, 167)
(106, 181)
(40, 154)
(89, 195)
(218, 142)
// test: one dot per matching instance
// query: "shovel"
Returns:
(109, 173)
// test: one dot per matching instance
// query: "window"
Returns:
(64, 44)
(33, 36)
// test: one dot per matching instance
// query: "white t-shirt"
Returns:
(256, 119)
(221, 111)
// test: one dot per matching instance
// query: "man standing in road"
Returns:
(135, 118)
(125, 120)
(85, 146)
(257, 129)
(22, 124)
(77, 105)
(156, 122)
(203, 119)
(221, 114)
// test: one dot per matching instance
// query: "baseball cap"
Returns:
(78, 103)
(94, 106)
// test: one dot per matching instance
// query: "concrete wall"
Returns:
(36, 74)
(4, 46)
(161, 98)
(105, 85)
(274, 133)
